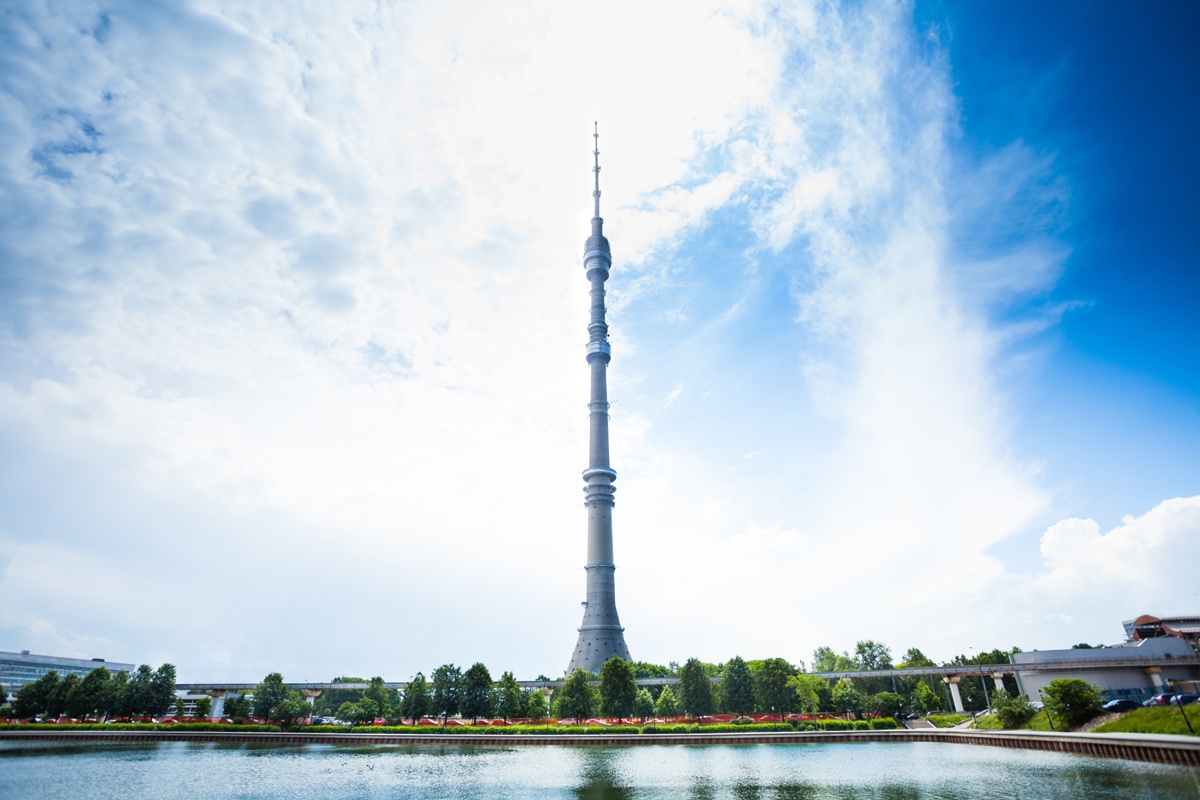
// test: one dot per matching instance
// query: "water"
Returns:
(888, 771)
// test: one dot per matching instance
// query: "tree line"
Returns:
(99, 693)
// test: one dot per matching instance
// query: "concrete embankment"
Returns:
(1179, 750)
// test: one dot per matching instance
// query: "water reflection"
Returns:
(893, 771)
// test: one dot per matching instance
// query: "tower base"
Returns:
(597, 645)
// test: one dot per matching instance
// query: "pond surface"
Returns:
(890, 771)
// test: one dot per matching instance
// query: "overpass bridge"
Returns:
(950, 674)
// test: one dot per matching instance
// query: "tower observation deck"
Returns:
(600, 636)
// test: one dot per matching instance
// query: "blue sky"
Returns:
(292, 318)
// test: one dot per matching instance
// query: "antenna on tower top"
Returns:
(596, 169)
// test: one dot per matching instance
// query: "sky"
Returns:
(293, 315)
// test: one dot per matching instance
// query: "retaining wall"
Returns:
(1178, 750)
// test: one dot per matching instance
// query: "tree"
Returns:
(364, 711)
(3, 696)
(847, 698)
(180, 708)
(774, 693)
(737, 687)
(509, 699)
(238, 707)
(333, 698)
(695, 689)
(268, 694)
(643, 704)
(535, 705)
(384, 697)
(161, 691)
(138, 698)
(928, 699)
(1013, 711)
(618, 688)
(807, 689)
(825, 660)
(872, 655)
(91, 696)
(117, 701)
(203, 707)
(666, 705)
(913, 657)
(34, 698)
(576, 699)
(476, 697)
(56, 703)
(447, 680)
(641, 669)
(417, 702)
(885, 704)
(1072, 700)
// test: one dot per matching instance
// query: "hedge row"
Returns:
(621, 730)
(142, 726)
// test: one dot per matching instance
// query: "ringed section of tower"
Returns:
(600, 635)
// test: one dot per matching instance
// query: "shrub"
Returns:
(883, 724)
(1072, 700)
(1012, 712)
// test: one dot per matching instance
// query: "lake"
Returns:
(889, 771)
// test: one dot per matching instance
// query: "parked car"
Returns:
(1184, 699)
(1158, 700)
(1122, 705)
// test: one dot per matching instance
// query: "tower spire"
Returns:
(596, 168)
(600, 636)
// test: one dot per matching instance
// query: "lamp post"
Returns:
(1179, 695)
(1049, 719)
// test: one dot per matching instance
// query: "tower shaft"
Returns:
(601, 635)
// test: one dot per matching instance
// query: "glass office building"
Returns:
(18, 669)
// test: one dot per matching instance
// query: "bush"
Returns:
(1012, 712)
(884, 724)
(1072, 701)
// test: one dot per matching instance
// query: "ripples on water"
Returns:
(888, 771)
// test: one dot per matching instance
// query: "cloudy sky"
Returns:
(292, 319)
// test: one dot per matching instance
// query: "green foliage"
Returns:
(180, 708)
(238, 707)
(1072, 701)
(447, 680)
(885, 703)
(947, 720)
(268, 694)
(416, 703)
(90, 697)
(203, 707)
(737, 687)
(3, 695)
(1157, 719)
(913, 657)
(475, 700)
(884, 724)
(386, 699)
(695, 689)
(847, 698)
(667, 705)
(928, 699)
(293, 706)
(1012, 711)
(138, 694)
(643, 704)
(618, 688)
(333, 698)
(641, 669)
(118, 695)
(576, 699)
(825, 660)
(161, 692)
(807, 689)
(535, 705)
(775, 694)
(56, 704)
(33, 698)
(509, 699)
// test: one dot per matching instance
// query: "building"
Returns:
(600, 636)
(18, 669)
(1137, 670)
(1184, 626)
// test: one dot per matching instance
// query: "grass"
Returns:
(1162, 719)
(947, 720)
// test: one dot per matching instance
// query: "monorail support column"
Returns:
(218, 703)
(953, 683)
(1156, 677)
(311, 696)
(998, 679)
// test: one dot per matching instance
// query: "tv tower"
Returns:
(600, 636)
